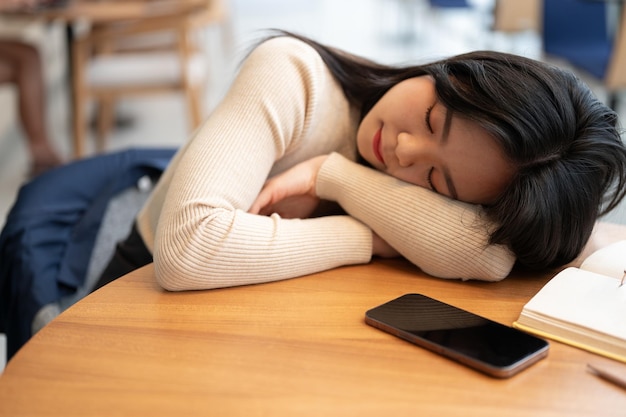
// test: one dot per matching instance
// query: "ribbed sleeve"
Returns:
(444, 237)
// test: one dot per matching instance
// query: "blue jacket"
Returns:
(49, 234)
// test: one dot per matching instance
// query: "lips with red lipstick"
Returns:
(376, 145)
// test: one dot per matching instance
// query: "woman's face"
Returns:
(410, 135)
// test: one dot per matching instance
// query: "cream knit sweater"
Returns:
(285, 107)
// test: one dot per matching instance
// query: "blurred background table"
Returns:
(108, 58)
(107, 10)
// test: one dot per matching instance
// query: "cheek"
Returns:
(360, 138)
(360, 133)
(416, 175)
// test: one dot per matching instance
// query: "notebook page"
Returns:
(609, 261)
(587, 299)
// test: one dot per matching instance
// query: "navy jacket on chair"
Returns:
(49, 234)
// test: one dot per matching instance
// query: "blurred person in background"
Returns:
(21, 64)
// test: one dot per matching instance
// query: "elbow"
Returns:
(493, 264)
(496, 264)
(186, 257)
(171, 276)
(168, 279)
(181, 271)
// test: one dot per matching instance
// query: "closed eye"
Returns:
(429, 179)
(427, 118)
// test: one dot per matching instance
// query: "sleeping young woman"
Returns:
(463, 166)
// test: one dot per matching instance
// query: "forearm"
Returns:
(443, 237)
(230, 248)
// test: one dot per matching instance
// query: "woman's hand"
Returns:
(291, 194)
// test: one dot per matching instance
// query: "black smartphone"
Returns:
(483, 344)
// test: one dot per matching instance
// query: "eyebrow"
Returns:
(445, 133)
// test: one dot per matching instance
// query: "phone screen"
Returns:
(483, 344)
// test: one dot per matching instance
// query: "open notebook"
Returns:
(584, 307)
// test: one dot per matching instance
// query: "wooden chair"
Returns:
(107, 64)
(511, 16)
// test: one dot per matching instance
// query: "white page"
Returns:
(590, 300)
(609, 261)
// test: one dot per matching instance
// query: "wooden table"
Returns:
(101, 11)
(296, 347)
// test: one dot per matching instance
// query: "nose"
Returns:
(411, 149)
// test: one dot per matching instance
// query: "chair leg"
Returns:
(78, 99)
(78, 128)
(194, 102)
(105, 117)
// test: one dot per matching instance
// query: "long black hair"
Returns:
(565, 144)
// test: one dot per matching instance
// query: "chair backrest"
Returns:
(104, 72)
(577, 31)
(517, 16)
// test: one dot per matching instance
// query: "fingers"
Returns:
(268, 196)
(261, 201)
(298, 181)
